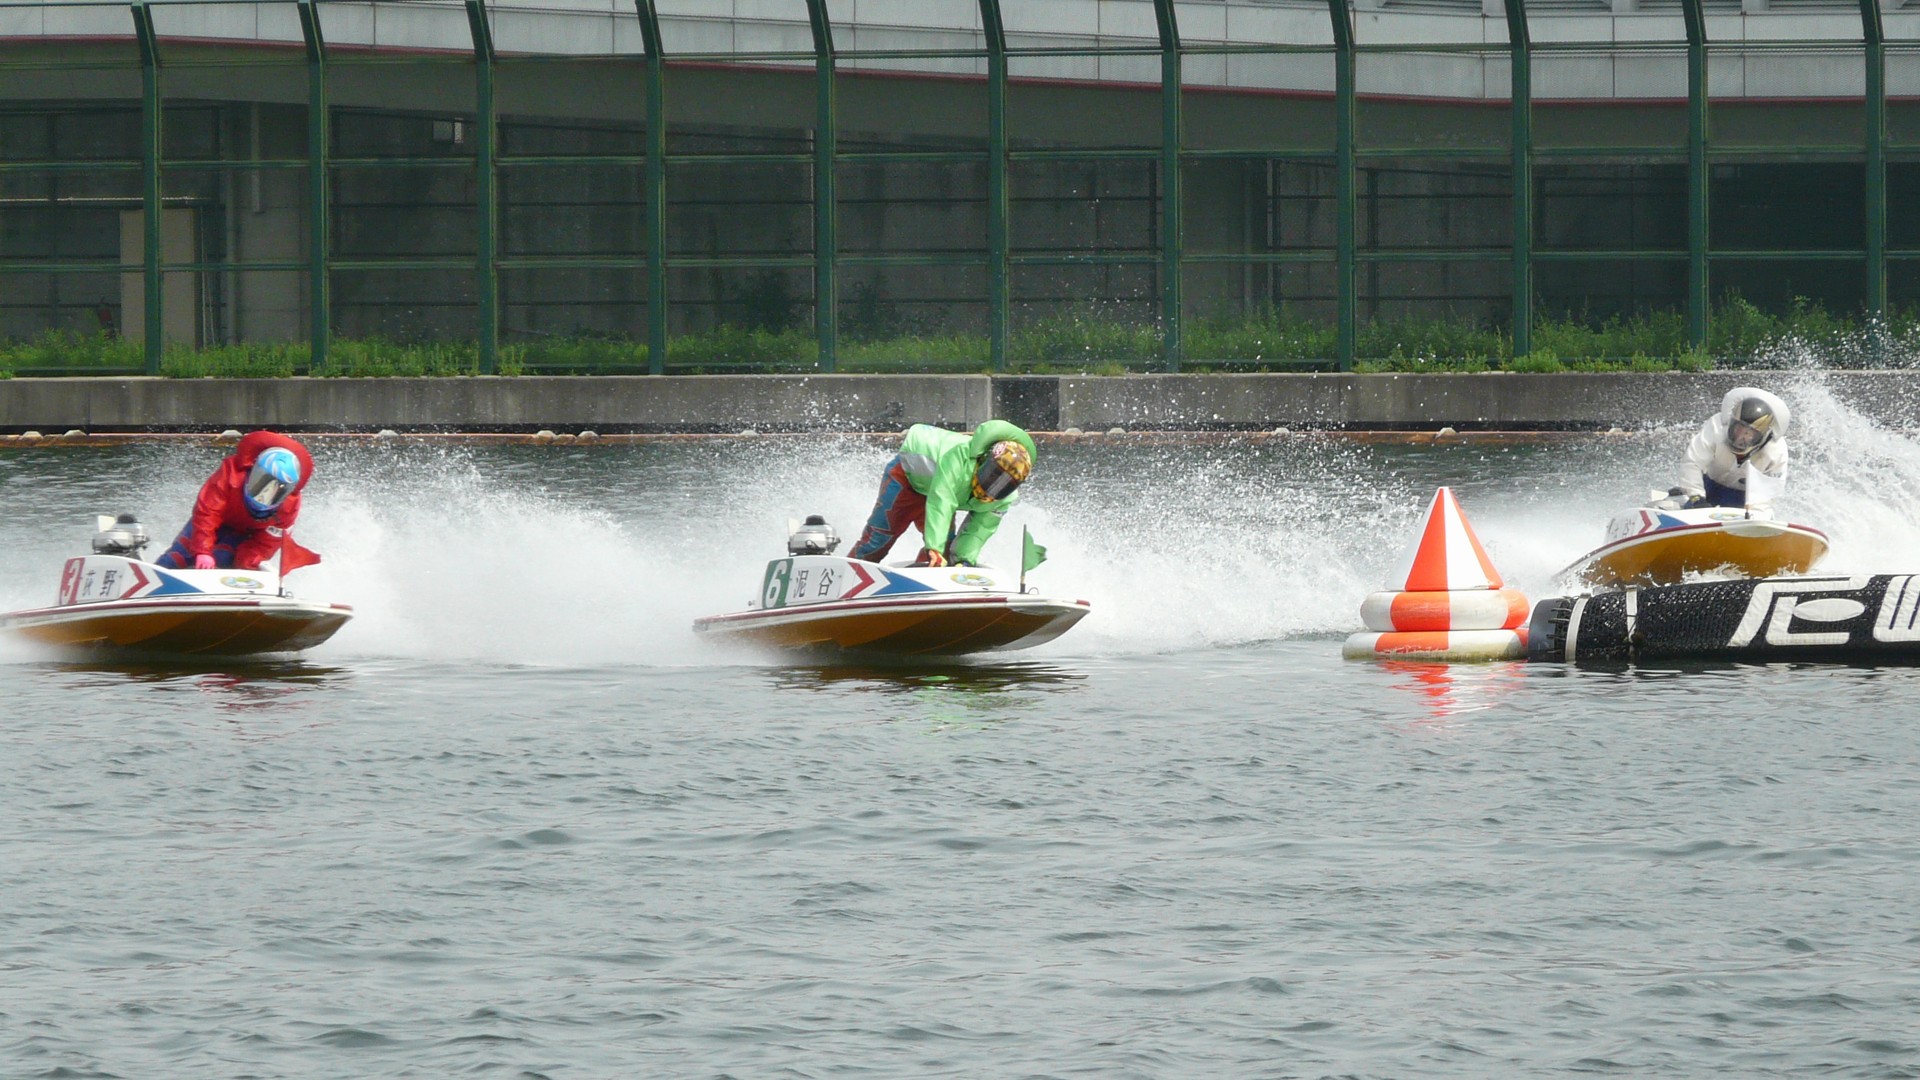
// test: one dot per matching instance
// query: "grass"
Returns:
(1740, 335)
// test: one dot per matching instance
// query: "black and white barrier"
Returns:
(1866, 618)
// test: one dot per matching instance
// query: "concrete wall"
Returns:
(721, 403)
(1492, 401)
(607, 403)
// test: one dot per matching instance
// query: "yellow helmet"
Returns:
(1004, 467)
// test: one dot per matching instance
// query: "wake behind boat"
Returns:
(113, 601)
(1655, 546)
(814, 600)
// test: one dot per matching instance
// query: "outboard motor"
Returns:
(812, 537)
(123, 536)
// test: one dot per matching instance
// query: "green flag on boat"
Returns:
(1033, 554)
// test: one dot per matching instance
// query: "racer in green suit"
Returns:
(938, 474)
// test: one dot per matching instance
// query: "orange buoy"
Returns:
(1446, 555)
(1438, 645)
(1459, 609)
(1445, 600)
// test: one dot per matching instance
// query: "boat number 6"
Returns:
(774, 594)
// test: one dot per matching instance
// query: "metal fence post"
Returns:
(656, 193)
(1345, 173)
(319, 316)
(486, 278)
(826, 290)
(1520, 52)
(155, 332)
(1876, 193)
(1172, 212)
(997, 316)
(1697, 228)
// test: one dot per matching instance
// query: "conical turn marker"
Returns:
(1445, 600)
(1445, 556)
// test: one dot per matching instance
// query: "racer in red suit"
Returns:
(246, 509)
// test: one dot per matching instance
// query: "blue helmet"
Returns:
(275, 474)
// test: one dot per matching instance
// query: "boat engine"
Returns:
(812, 537)
(123, 536)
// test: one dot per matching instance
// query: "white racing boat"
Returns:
(815, 600)
(1655, 546)
(113, 601)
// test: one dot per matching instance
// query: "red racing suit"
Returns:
(222, 504)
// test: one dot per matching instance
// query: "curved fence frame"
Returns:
(1170, 157)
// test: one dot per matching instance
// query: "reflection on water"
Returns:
(905, 676)
(229, 686)
(157, 669)
(944, 696)
(1448, 691)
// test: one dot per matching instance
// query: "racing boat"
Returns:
(1656, 546)
(113, 601)
(815, 600)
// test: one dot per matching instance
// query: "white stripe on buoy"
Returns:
(1464, 609)
(1438, 645)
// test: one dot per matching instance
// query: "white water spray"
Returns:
(604, 556)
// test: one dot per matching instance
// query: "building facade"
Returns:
(517, 172)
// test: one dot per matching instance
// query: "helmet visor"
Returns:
(991, 482)
(1743, 437)
(1001, 469)
(267, 486)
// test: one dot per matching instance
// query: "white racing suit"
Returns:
(1714, 472)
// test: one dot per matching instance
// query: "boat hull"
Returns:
(824, 602)
(1671, 548)
(185, 627)
(110, 603)
(935, 626)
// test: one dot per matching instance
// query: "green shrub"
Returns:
(581, 355)
(251, 361)
(1268, 335)
(64, 349)
(1072, 342)
(379, 357)
(1085, 341)
(728, 348)
(1441, 344)
(951, 353)
(1539, 361)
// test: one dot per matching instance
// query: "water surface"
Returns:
(515, 820)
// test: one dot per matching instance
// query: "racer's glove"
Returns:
(203, 562)
(930, 557)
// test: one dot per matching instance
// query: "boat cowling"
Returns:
(123, 535)
(811, 537)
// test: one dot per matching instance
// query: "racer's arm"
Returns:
(980, 527)
(1700, 454)
(938, 525)
(264, 543)
(209, 512)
